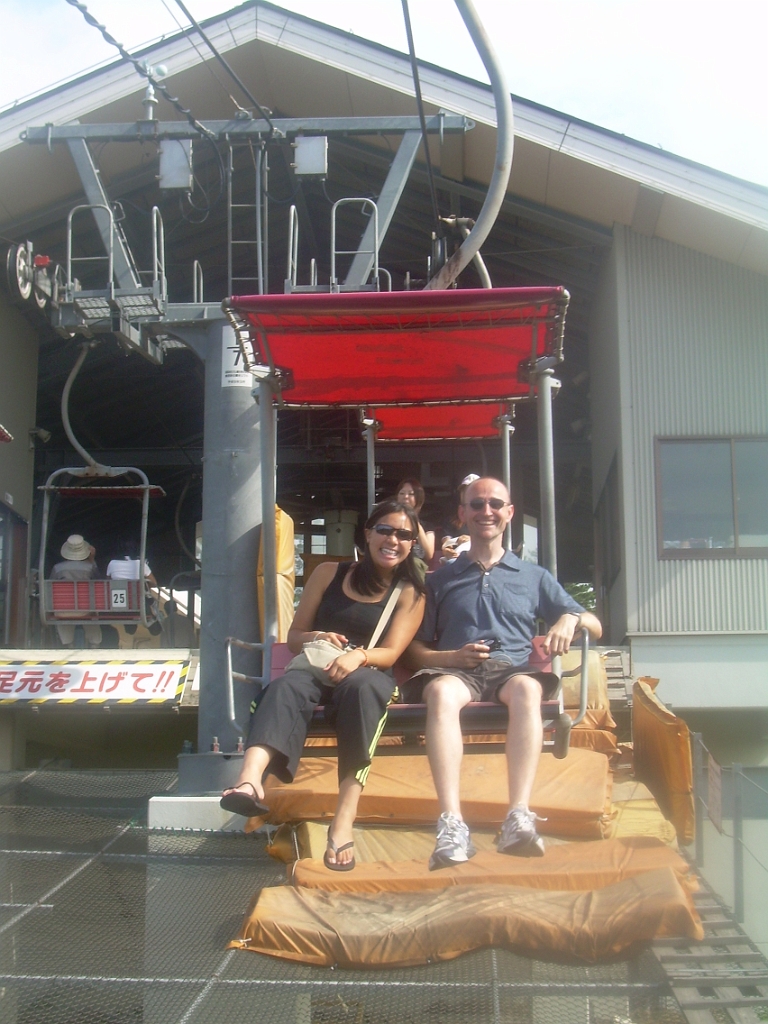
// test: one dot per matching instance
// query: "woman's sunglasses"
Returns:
(478, 504)
(387, 531)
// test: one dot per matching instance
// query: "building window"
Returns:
(712, 497)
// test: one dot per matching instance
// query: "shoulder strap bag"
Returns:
(317, 655)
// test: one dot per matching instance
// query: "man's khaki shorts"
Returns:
(483, 682)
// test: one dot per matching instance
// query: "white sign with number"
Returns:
(119, 599)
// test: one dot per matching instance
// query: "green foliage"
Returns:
(584, 593)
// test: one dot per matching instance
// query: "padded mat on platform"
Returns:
(401, 929)
(571, 794)
(568, 866)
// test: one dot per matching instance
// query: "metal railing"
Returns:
(704, 764)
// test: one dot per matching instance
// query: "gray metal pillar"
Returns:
(268, 489)
(546, 471)
(506, 430)
(232, 514)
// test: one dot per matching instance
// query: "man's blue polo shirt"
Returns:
(466, 604)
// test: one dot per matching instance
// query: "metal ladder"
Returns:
(257, 225)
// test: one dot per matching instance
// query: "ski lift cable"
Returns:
(142, 70)
(227, 67)
(197, 50)
(420, 104)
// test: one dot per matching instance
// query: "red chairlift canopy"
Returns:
(377, 349)
(437, 422)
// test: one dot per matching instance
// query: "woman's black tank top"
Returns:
(356, 620)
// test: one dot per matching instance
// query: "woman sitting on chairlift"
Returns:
(341, 603)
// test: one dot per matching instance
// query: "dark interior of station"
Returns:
(127, 411)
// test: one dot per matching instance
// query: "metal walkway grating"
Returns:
(105, 922)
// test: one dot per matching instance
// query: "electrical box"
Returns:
(176, 164)
(311, 155)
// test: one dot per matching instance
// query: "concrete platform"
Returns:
(198, 812)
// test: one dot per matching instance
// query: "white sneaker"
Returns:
(518, 836)
(454, 843)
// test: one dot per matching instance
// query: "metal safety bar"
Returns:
(240, 677)
(159, 282)
(292, 268)
(109, 258)
(197, 282)
(364, 202)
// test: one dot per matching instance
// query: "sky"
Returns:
(688, 76)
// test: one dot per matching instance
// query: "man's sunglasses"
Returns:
(478, 504)
(387, 531)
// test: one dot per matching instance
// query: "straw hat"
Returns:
(75, 548)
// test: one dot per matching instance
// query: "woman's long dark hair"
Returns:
(418, 491)
(364, 577)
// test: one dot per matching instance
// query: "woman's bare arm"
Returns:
(302, 628)
(427, 541)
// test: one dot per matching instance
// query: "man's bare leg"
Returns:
(522, 695)
(445, 696)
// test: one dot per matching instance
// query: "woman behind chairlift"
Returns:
(410, 492)
(341, 603)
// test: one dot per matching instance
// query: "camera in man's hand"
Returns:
(492, 643)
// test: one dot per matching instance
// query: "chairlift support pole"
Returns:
(370, 460)
(545, 389)
(506, 430)
(267, 422)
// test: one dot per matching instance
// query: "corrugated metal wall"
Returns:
(693, 340)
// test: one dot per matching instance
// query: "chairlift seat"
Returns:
(88, 601)
(479, 718)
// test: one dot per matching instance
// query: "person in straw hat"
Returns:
(79, 563)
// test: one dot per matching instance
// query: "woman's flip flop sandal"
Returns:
(333, 848)
(237, 802)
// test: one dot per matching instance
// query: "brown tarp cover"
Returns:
(636, 814)
(403, 929)
(572, 794)
(597, 687)
(663, 757)
(286, 575)
(568, 866)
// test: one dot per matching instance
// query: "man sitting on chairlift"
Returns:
(78, 565)
(474, 645)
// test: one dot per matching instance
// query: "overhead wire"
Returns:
(144, 71)
(227, 67)
(206, 64)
